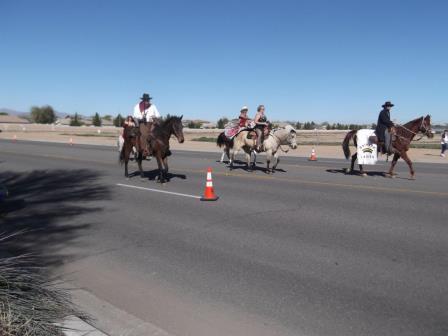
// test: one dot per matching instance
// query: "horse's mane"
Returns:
(412, 122)
(170, 120)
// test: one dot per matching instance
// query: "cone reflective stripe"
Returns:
(313, 156)
(209, 192)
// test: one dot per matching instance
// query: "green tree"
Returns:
(299, 125)
(96, 120)
(74, 121)
(222, 123)
(107, 117)
(43, 115)
(4, 113)
(118, 121)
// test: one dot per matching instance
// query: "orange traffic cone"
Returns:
(71, 141)
(313, 156)
(209, 193)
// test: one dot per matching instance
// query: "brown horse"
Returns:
(154, 139)
(401, 141)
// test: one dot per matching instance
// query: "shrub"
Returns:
(43, 115)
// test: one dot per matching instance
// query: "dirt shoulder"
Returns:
(108, 137)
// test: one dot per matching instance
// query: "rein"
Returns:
(414, 133)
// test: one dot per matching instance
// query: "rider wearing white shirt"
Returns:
(145, 110)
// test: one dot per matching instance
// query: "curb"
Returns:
(107, 320)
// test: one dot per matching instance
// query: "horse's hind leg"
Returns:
(222, 156)
(392, 165)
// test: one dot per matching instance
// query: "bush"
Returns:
(75, 120)
(43, 115)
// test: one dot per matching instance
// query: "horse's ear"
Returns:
(181, 117)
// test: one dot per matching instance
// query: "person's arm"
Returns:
(385, 119)
(156, 112)
(137, 113)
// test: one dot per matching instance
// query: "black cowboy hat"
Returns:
(146, 97)
(388, 103)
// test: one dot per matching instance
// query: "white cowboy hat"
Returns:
(244, 108)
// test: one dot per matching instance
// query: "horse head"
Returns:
(292, 136)
(425, 127)
(176, 127)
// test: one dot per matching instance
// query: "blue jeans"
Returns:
(443, 148)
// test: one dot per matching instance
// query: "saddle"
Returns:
(389, 138)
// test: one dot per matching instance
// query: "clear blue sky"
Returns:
(305, 60)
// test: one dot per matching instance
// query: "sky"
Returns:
(320, 60)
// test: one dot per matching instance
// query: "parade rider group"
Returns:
(146, 112)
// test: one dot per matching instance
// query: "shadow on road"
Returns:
(41, 204)
(153, 175)
(354, 173)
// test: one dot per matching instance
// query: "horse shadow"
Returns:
(153, 175)
(355, 173)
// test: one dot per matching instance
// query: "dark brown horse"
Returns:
(152, 138)
(401, 141)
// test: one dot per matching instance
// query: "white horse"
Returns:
(285, 136)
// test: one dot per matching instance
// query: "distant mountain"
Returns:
(26, 114)
(13, 112)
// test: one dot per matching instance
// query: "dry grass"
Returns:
(31, 304)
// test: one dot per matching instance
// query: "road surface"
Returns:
(307, 251)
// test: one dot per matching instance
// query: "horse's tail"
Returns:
(346, 143)
(224, 141)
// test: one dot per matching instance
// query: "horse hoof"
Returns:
(412, 177)
(364, 174)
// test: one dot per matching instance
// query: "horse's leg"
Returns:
(352, 165)
(392, 165)
(406, 158)
(268, 160)
(165, 164)
(248, 159)
(361, 170)
(139, 161)
(126, 160)
(277, 160)
(254, 164)
(222, 156)
(160, 165)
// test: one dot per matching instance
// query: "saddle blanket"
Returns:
(367, 151)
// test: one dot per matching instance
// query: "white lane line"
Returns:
(157, 190)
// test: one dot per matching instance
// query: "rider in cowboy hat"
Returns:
(384, 123)
(147, 113)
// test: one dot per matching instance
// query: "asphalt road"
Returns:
(307, 251)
